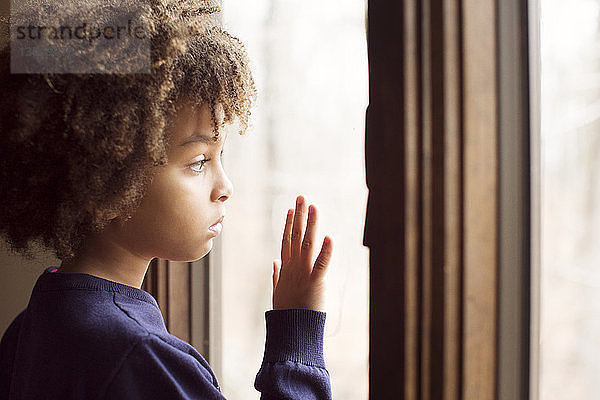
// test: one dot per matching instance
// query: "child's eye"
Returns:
(201, 164)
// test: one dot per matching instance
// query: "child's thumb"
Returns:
(276, 269)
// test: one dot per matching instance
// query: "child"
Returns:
(112, 170)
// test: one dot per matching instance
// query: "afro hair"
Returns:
(79, 149)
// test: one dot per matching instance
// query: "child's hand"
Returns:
(299, 284)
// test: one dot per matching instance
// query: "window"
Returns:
(470, 212)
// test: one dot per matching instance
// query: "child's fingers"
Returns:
(309, 235)
(323, 259)
(276, 265)
(298, 227)
(286, 240)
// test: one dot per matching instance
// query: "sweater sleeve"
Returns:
(293, 365)
(153, 369)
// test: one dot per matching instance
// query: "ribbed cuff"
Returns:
(296, 335)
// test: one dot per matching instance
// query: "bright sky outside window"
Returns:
(570, 278)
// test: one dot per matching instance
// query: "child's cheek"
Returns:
(178, 213)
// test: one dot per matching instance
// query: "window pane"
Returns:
(570, 303)
(310, 63)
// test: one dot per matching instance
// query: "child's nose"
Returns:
(224, 187)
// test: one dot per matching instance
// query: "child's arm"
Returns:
(155, 369)
(293, 365)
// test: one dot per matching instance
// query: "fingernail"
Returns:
(300, 200)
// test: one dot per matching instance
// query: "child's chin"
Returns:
(203, 252)
(195, 254)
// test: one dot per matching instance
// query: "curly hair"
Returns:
(80, 149)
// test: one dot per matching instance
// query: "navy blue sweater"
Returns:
(84, 337)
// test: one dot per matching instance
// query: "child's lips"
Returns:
(216, 228)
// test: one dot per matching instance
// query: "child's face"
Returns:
(185, 197)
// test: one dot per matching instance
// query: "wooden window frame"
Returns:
(449, 219)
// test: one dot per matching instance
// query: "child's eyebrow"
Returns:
(199, 137)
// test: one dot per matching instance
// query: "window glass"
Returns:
(309, 59)
(570, 279)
